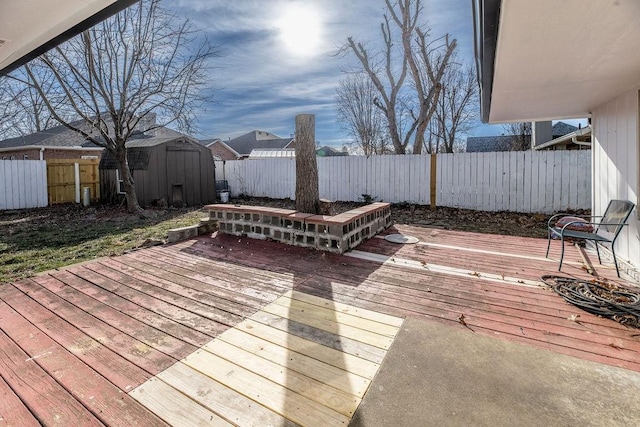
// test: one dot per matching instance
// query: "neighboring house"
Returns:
(241, 147)
(58, 142)
(580, 139)
(273, 153)
(172, 170)
(533, 66)
(327, 151)
(481, 144)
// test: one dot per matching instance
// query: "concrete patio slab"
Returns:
(435, 375)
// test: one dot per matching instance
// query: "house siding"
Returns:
(615, 163)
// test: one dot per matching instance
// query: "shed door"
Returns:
(183, 173)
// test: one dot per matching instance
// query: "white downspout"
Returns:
(42, 153)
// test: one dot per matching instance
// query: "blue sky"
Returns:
(269, 71)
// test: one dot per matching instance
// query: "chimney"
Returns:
(541, 132)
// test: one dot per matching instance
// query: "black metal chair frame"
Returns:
(617, 210)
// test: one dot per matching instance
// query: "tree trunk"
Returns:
(307, 195)
(133, 206)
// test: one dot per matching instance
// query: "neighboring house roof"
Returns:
(483, 144)
(58, 136)
(61, 136)
(327, 151)
(271, 153)
(244, 144)
(578, 137)
(562, 128)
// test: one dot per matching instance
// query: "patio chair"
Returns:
(606, 230)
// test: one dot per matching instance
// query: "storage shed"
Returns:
(175, 170)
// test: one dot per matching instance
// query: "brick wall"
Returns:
(221, 151)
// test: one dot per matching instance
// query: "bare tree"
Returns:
(22, 110)
(520, 134)
(358, 114)
(456, 109)
(142, 61)
(424, 59)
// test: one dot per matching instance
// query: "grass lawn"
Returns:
(36, 240)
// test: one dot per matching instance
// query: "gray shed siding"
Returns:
(179, 171)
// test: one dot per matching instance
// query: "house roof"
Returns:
(61, 136)
(481, 144)
(244, 144)
(327, 151)
(562, 128)
(58, 136)
(534, 63)
(30, 28)
(209, 141)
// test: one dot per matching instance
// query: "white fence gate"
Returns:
(519, 181)
(23, 184)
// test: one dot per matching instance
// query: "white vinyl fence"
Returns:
(519, 181)
(23, 184)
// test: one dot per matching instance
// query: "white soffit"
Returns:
(560, 59)
(26, 25)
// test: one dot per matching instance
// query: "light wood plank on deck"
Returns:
(174, 407)
(220, 399)
(299, 315)
(343, 317)
(281, 400)
(324, 373)
(334, 357)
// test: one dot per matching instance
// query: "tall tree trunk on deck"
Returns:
(307, 194)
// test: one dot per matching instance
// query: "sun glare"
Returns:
(300, 30)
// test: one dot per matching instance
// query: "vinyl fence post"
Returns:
(432, 181)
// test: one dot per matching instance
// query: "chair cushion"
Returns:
(579, 224)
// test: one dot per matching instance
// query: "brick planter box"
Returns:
(338, 233)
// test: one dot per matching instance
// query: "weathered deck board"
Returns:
(135, 351)
(134, 286)
(109, 404)
(12, 409)
(46, 399)
(113, 366)
(308, 329)
(76, 291)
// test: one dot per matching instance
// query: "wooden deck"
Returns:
(231, 331)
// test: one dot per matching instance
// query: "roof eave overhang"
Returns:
(486, 15)
(65, 35)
